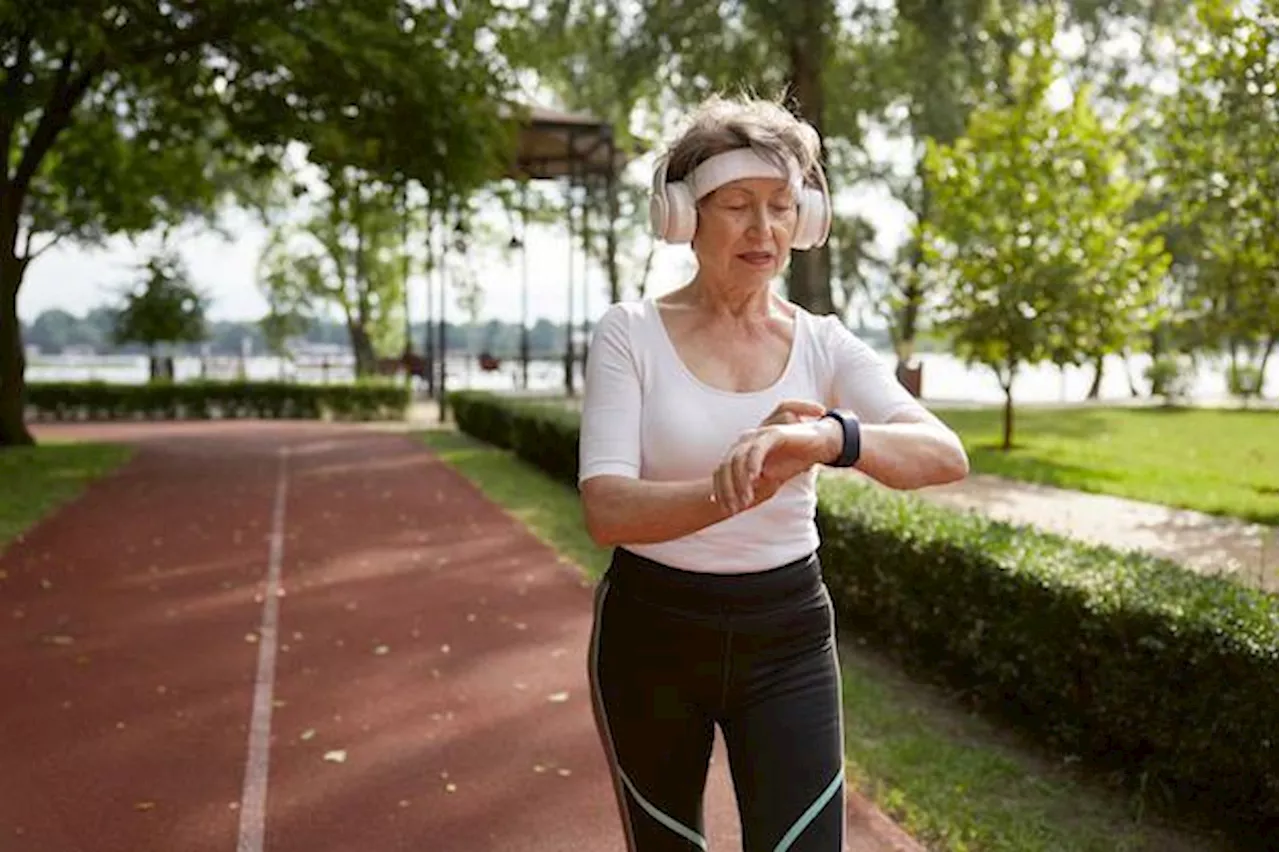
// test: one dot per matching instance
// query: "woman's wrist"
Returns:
(832, 445)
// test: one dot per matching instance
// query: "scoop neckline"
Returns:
(655, 314)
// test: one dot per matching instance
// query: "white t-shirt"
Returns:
(645, 415)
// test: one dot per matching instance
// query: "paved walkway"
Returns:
(278, 637)
(1206, 543)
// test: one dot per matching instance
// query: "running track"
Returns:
(284, 637)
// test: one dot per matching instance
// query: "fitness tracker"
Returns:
(852, 447)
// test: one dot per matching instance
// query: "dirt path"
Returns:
(419, 680)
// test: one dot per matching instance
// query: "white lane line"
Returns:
(253, 800)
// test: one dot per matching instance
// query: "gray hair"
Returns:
(723, 124)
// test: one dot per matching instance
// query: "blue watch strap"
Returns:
(851, 449)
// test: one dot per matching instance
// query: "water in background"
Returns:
(945, 378)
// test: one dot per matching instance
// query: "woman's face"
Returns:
(744, 229)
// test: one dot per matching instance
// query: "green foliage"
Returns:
(347, 257)
(119, 117)
(165, 308)
(1032, 236)
(1128, 660)
(1170, 378)
(543, 434)
(1220, 165)
(98, 401)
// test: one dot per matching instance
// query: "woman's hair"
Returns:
(723, 124)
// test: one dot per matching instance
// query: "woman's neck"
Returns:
(730, 299)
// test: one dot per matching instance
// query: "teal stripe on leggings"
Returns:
(808, 816)
(680, 829)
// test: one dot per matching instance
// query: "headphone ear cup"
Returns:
(658, 213)
(813, 220)
(803, 237)
(682, 213)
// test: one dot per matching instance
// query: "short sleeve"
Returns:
(609, 437)
(859, 380)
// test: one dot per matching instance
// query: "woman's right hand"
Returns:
(788, 442)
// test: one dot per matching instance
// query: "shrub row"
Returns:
(75, 401)
(543, 434)
(1126, 660)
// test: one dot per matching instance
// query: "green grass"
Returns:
(1223, 462)
(35, 481)
(952, 780)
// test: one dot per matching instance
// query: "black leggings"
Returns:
(675, 652)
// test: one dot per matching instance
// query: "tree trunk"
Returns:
(362, 347)
(809, 284)
(1007, 444)
(611, 244)
(1128, 374)
(13, 361)
(1096, 388)
(1262, 367)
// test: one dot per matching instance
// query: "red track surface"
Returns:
(430, 683)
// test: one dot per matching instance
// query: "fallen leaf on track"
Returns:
(144, 806)
(336, 756)
(558, 697)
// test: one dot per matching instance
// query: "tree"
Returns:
(1033, 238)
(163, 308)
(348, 256)
(283, 321)
(120, 116)
(1220, 168)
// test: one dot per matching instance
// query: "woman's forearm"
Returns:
(912, 455)
(619, 510)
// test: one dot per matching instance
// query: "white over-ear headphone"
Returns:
(673, 210)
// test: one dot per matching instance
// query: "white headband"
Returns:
(738, 164)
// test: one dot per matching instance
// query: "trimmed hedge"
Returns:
(95, 401)
(1125, 659)
(543, 434)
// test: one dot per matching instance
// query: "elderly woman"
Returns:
(707, 414)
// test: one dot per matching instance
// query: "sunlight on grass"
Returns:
(1217, 461)
(917, 756)
(34, 481)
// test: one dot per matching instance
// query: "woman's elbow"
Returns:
(599, 532)
(596, 519)
(947, 462)
(950, 463)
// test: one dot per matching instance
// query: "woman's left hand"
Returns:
(763, 459)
